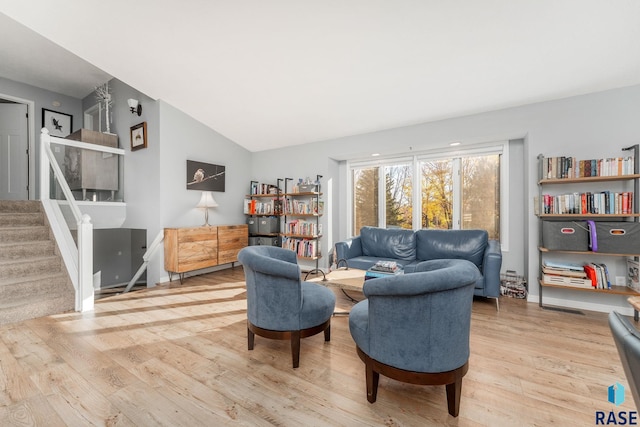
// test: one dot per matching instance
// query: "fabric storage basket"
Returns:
(616, 237)
(565, 235)
(268, 225)
(268, 241)
(252, 223)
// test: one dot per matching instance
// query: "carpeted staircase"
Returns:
(33, 279)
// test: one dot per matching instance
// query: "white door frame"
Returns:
(31, 112)
(88, 122)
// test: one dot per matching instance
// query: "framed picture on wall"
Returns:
(58, 124)
(139, 136)
(205, 176)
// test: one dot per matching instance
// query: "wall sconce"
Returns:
(207, 201)
(135, 106)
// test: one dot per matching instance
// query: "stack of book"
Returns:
(599, 275)
(383, 269)
(565, 274)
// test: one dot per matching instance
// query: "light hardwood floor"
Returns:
(176, 355)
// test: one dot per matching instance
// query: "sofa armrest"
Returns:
(491, 265)
(349, 248)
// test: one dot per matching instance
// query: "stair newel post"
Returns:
(45, 142)
(85, 292)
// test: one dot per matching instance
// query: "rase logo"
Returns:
(615, 395)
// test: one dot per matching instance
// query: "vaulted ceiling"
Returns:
(270, 74)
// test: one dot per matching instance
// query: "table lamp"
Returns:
(206, 201)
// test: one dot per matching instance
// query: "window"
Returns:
(436, 187)
(398, 193)
(481, 194)
(365, 198)
(459, 191)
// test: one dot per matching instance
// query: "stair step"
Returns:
(22, 234)
(36, 287)
(32, 309)
(20, 206)
(21, 219)
(33, 280)
(27, 267)
(18, 250)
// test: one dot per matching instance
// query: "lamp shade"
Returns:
(207, 200)
(133, 103)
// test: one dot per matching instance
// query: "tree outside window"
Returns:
(398, 193)
(437, 194)
(481, 194)
(365, 198)
(455, 193)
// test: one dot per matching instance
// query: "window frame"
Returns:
(499, 147)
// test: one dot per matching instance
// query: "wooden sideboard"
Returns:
(193, 248)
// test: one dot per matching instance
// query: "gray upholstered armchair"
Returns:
(415, 327)
(279, 304)
(627, 339)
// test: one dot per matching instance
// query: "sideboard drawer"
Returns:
(187, 249)
(231, 238)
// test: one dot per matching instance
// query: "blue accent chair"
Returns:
(415, 327)
(279, 304)
(627, 339)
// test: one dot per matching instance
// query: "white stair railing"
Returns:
(78, 259)
(146, 257)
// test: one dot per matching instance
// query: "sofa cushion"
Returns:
(388, 243)
(456, 244)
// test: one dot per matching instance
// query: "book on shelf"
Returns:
(257, 188)
(598, 274)
(575, 282)
(302, 247)
(604, 202)
(562, 272)
(633, 280)
(560, 265)
(561, 167)
(249, 207)
(571, 274)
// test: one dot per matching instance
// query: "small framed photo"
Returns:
(139, 136)
(58, 124)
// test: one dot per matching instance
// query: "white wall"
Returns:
(183, 138)
(589, 126)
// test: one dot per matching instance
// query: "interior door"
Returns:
(14, 158)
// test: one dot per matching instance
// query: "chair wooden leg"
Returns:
(372, 381)
(327, 334)
(454, 391)
(250, 339)
(295, 348)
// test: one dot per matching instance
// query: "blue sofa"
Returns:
(408, 248)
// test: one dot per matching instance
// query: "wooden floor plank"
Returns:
(177, 355)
